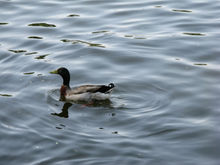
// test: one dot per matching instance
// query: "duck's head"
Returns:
(64, 73)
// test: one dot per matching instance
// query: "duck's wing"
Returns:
(92, 89)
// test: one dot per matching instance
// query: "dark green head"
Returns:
(64, 73)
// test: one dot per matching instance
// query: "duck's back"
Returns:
(89, 92)
(84, 89)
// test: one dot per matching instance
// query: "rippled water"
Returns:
(163, 57)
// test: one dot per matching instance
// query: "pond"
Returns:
(162, 56)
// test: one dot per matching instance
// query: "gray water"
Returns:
(162, 55)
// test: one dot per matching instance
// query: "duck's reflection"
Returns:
(67, 105)
(64, 112)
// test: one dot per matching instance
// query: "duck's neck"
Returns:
(66, 82)
(63, 91)
(65, 87)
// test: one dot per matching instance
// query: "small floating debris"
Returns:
(83, 42)
(139, 38)
(58, 128)
(66, 40)
(101, 128)
(183, 11)
(3, 23)
(31, 53)
(158, 6)
(115, 132)
(62, 125)
(35, 37)
(17, 51)
(102, 31)
(5, 95)
(28, 73)
(95, 45)
(73, 15)
(194, 34)
(41, 57)
(42, 24)
(200, 64)
(129, 36)
(134, 37)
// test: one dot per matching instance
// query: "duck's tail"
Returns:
(111, 85)
(106, 88)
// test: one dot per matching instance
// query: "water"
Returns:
(163, 57)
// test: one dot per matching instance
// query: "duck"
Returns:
(83, 92)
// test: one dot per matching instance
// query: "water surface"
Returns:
(163, 57)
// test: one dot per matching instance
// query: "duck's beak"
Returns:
(54, 72)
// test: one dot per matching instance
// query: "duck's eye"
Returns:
(59, 71)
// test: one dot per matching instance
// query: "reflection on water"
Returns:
(64, 112)
(101, 103)
(83, 42)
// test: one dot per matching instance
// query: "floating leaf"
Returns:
(140, 38)
(41, 57)
(5, 95)
(42, 24)
(27, 73)
(96, 45)
(58, 128)
(3, 23)
(30, 53)
(194, 34)
(129, 36)
(103, 31)
(183, 11)
(35, 37)
(66, 40)
(73, 15)
(83, 42)
(200, 64)
(17, 51)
